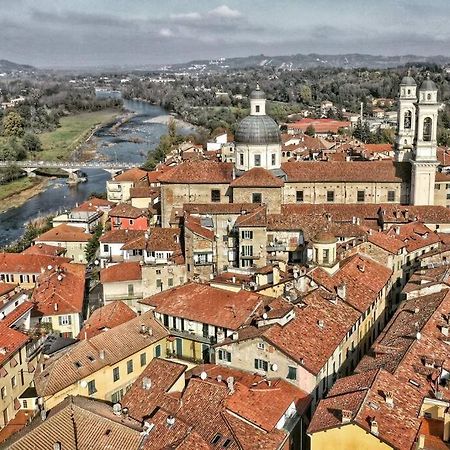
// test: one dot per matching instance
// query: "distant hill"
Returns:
(300, 61)
(9, 66)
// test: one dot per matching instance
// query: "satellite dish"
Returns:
(274, 367)
(265, 316)
(117, 409)
(203, 376)
(49, 267)
(146, 383)
(83, 384)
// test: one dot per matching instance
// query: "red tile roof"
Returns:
(198, 172)
(126, 210)
(60, 290)
(156, 239)
(125, 271)
(44, 249)
(64, 233)
(193, 224)
(206, 304)
(257, 177)
(106, 317)
(28, 264)
(134, 175)
(121, 236)
(6, 288)
(349, 171)
(320, 125)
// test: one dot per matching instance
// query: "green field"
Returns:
(16, 186)
(73, 130)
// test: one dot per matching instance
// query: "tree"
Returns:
(310, 131)
(31, 143)
(305, 94)
(93, 243)
(13, 124)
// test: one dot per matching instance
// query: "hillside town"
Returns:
(285, 287)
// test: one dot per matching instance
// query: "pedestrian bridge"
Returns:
(71, 167)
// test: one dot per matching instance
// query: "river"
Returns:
(115, 147)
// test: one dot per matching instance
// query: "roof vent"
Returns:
(416, 310)
(102, 354)
(125, 411)
(57, 446)
(219, 378)
(170, 421)
(418, 336)
(374, 427)
(55, 306)
(203, 375)
(146, 383)
(321, 323)
(444, 330)
(341, 290)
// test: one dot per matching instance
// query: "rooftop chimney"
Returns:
(444, 330)
(230, 384)
(374, 427)
(346, 416)
(389, 397)
(341, 290)
(102, 354)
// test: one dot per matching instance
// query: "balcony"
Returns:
(124, 297)
(276, 247)
(210, 340)
(115, 196)
(114, 187)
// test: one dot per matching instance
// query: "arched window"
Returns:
(427, 126)
(429, 97)
(407, 120)
(406, 141)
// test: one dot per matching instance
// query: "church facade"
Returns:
(259, 176)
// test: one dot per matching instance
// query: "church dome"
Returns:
(258, 130)
(428, 85)
(257, 94)
(324, 237)
(408, 81)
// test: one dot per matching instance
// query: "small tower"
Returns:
(424, 160)
(406, 124)
(324, 246)
(257, 102)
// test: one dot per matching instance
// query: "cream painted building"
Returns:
(104, 366)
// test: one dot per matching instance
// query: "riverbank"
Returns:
(165, 120)
(17, 192)
(74, 130)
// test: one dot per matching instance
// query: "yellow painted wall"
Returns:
(104, 381)
(347, 437)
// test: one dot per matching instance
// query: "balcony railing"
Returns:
(193, 336)
(124, 297)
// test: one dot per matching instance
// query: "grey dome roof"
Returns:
(258, 130)
(428, 85)
(408, 81)
(257, 94)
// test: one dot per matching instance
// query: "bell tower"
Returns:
(424, 161)
(406, 124)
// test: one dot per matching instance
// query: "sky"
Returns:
(88, 33)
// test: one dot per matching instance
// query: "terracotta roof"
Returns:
(197, 172)
(144, 192)
(94, 204)
(409, 358)
(121, 236)
(64, 233)
(193, 224)
(11, 340)
(81, 423)
(378, 148)
(386, 242)
(156, 239)
(106, 317)
(44, 249)
(257, 177)
(256, 218)
(125, 271)
(206, 304)
(163, 374)
(245, 418)
(135, 174)
(349, 171)
(60, 290)
(126, 210)
(404, 214)
(26, 263)
(219, 208)
(320, 125)
(6, 288)
(414, 235)
(83, 359)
